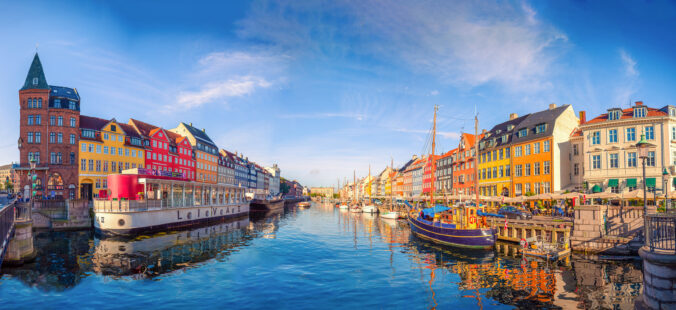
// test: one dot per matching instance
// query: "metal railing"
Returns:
(661, 232)
(104, 205)
(6, 226)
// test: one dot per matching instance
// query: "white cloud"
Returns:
(463, 43)
(236, 87)
(629, 64)
(434, 92)
(221, 76)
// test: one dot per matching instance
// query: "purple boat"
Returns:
(448, 234)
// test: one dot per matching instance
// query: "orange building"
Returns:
(205, 152)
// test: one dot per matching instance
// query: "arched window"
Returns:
(39, 103)
(30, 103)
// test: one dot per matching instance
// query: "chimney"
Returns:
(483, 131)
(552, 106)
(513, 116)
(190, 124)
(204, 130)
(639, 102)
(583, 117)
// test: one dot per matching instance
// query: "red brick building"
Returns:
(49, 134)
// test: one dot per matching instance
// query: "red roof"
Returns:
(149, 130)
(90, 122)
(627, 114)
(577, 132)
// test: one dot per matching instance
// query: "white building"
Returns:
(274, 180)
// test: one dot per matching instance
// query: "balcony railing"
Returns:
(661, 232)
(104, 205)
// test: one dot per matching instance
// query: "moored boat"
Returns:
(461, 227)
(343, 207)
(144, 200)
(389, 215)
(369, 209)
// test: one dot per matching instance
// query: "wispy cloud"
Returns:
(222, 76)
(463, 43)
(627, 85)
(236, 87)
(355, 116)
(629, 64)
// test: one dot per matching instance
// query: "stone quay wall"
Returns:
(592, 233)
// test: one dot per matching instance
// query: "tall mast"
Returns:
(370, 182)
(476, 156)
(354, 184)
(434, 135)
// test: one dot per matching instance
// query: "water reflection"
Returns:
(150, 256)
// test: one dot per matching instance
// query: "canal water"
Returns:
(319, 257)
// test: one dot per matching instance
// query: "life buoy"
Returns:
(472, 219)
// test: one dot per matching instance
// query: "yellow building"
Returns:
(495, 167)
(106, 147)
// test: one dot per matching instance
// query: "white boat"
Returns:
(389, 215)
(343, 207)
(143, 201)
(355, 209)
(369, 209)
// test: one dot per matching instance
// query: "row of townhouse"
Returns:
(78, 152)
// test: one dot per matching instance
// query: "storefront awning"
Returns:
(596, 189)
(613, 182)
(631, 182)
(650, 182)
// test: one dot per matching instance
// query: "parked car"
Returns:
(512, 212)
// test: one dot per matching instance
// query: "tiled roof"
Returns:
(501, 129)
(577, 132)
(129, 130)
(144, 128)
(199, 134)
(148, 130)
(35, 71)
(548, 117)
(64, 92)
(90, 122)
(627, 114)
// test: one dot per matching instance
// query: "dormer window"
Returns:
(35, 81)
(522, 133)
(672, 111)
(540, 128)
(614, 114)
(639, 112)
(510, 127)
(504, 138)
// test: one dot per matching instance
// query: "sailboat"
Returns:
(355, 207)
(368, 207)
(460, 226)
(390, 214)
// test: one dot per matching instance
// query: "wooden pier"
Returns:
(515, 230)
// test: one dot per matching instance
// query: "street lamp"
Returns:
(665, 183)
(643, 146)
(32, 176)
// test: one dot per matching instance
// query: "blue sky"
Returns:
(326, 87)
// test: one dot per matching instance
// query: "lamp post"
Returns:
(665, 183)
(643, 146)
(31, 177)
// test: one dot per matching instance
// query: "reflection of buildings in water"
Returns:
(608, 284)
(163, 253)
(60, 263)
(394, 231)
(266, 224)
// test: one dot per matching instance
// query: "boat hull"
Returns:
(266, 205)
(148, 221)
(466, 238)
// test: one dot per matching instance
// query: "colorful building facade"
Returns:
(166, 150)
(463, 164)
(495, 162)
(106, 147)
(205, 150)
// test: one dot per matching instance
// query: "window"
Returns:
(536, 188)
(575, 150)
(91, 165)
(527, 149)
(119, 151)
(73, 122)
(98, 165)
(522, 133)
(72, 158)
(631, 134)
(613, 160)
(596, 162)
(39, 103)
(30, 137)
(104, 183)
(518, 171)
(536, 148)
(631, 159)
(57, 103)
(60, 120)
(112, 150)
(639, 112)
(30, 119)
(105, 150)
(38, 119)
(52, 120)
(105, 136)
(52, 158)
(527, 187)
(546, 167)
(596, 137)
(83, 164)
(650, 161)
(113, 128)
(71, 105)
(576, 169)
(612, 136)
(495, 172)
(60, 138)
(527, 169)
(614, 115)
(502, 171)
(540, 128)
(536, 169)
(546, 188)
(126, 152)
(126, 166)
(52, 137)
(72, 138)
(105, 166)
(673, 133)
(113, 166)
(650, 133)
(507, 172)
(98, 183)
(495, 155)
(517, 189)
(98, 149)
(148, 156)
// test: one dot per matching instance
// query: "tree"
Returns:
(336, 196)
(284, 188)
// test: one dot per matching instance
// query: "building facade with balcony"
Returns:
(611, 160)
(165, 150)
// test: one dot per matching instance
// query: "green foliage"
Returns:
(336, 196)
(528, 194)
(284, 188)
